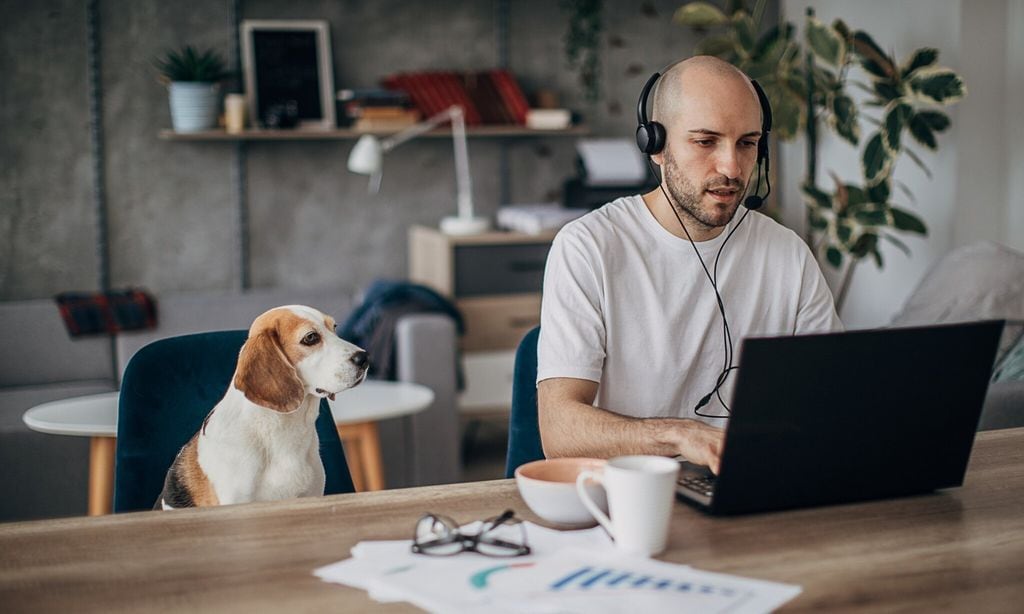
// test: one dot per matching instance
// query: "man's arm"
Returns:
(570, 425)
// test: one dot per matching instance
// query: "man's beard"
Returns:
(687, 198)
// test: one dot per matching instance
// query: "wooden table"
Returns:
(957, 550)
(356, 413)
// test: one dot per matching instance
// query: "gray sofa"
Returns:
(980, 281)
(39, 362)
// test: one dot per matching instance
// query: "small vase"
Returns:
(194, 105)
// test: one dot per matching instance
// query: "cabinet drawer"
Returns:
(499, 269)
(498, 322)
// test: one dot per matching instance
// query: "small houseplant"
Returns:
(193, 80)
(807, 85)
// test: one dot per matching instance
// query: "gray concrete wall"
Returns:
(172, 206)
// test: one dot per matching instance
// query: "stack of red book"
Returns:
(486, 97)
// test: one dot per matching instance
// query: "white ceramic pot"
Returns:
(194, 105)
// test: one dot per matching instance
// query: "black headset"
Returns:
(650, 138)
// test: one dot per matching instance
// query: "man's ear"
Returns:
(265, 376)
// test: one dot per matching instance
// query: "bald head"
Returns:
(698, 77)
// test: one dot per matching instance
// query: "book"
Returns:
(487, 97)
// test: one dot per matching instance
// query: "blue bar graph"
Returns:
(588, 578)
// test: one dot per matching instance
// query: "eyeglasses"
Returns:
(438, 535)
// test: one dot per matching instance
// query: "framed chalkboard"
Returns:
(288, 74)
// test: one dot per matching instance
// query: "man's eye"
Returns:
(311, 339)
(749, 143)
(705, 142)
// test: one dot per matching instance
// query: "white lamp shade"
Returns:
(366, 157)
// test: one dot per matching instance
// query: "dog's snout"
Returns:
(359, 359)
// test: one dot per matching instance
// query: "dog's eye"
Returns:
(312, 338)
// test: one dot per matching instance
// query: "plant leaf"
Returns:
(699, 15)
(815, 197)
(887, 92)
(787, 112)
(895, 120)
(843, 118)
(873, 59)
(926, 56)
(855, 195)
(745, 31)
(841, 29)
(922, 132)
(907, 221)
(817, 220)
(718, 45)
(844, 232)
(918, 161)
(936, 120)
(877, 255)
(866, 243)
(899, 244)
(825, 42)
(873, 217)
(938, 86)
(880, 192)
(876, 160)
(835, 258)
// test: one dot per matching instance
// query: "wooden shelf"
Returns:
(342, 134)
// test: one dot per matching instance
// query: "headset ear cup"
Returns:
(643, 138)
(658, 137)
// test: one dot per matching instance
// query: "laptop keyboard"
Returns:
(704, 485)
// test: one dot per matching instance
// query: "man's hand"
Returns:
(701, 444)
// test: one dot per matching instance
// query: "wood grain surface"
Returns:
(957, 550)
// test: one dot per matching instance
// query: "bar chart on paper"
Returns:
(579, 581)
(591, 578)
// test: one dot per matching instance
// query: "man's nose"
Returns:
(728, 162)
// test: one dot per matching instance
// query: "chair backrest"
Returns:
(523, 432)
(169, 387)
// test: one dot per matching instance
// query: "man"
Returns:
(632, 337)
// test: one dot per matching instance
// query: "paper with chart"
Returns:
(570, 571)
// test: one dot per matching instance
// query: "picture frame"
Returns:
(289, 75)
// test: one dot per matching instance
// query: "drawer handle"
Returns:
(523, 322)
(526, 266)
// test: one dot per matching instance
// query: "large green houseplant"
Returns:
(807, 83)
(193, 80)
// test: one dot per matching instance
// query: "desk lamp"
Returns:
(366, 158)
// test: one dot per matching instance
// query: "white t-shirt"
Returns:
(627, 304)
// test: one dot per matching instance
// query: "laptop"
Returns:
(841, 417)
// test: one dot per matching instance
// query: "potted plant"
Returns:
(807, 86)
(193, 80)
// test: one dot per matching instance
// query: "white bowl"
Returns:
(549, 489)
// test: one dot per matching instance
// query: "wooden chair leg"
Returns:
(373, 463)
(101, 475)
(365, 459)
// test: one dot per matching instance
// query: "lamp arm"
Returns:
(463, 181)
(424, 126)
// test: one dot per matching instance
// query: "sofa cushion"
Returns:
(980, 281)
(37, 349)
(186, 313)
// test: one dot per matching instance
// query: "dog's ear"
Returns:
(265, 376)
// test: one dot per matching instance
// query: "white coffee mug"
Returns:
(640, 495)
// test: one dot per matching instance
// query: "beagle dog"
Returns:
(259, 443)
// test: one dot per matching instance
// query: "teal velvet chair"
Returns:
(523, 431)
(168, 387)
